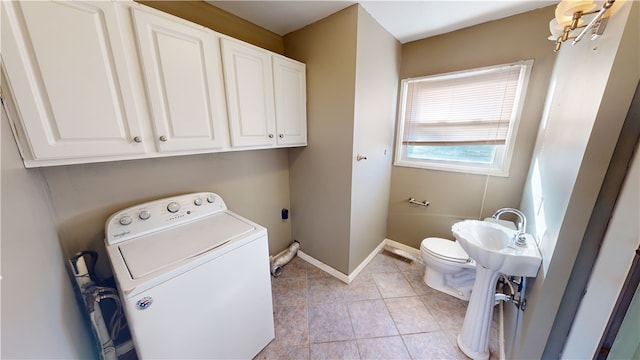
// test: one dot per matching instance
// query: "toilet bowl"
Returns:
(448, 267)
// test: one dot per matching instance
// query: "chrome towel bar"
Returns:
(424, 203)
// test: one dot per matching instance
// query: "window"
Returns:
(463, 121)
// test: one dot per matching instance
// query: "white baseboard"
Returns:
(337, 274)
(324, 267)
(348, 278)
(366, 261)
(406, 248)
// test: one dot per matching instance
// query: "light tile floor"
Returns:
(387, 312)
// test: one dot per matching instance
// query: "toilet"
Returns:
(448, 267)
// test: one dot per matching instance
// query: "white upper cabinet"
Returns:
(67, 67)
(266, 97)
(289, 83)
(93, 81)
(181, 65)
(250, 100)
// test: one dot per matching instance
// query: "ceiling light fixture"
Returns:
(569, 17)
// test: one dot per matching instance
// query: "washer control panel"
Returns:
(160, 214)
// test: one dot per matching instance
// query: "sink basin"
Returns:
(491, 246)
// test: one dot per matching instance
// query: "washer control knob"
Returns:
(197, 202)
(144, 215)
(126, 220)
(173, 207)
(211, 198)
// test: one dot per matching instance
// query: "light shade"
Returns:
(569, 16)
(566, 9)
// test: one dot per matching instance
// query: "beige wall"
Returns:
(456, 196)
(221, 21)
(321, 172)
(590, 92)
(339, 203)
(254, 184)
(378, 65)
(40, 318)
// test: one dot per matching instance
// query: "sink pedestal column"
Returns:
(473, 340)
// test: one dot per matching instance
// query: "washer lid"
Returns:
(446, 249)
(157, 250)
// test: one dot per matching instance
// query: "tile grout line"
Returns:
(339, 295)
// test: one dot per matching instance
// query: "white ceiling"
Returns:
(405, 20)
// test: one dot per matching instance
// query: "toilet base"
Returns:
(441, 282)
(448, 268)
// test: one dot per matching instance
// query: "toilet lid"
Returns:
(445, 249)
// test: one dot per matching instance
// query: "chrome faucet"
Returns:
(519, 238)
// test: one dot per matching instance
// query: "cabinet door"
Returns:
(249, 84)
(289, 83)
(182, 68)
(70, 78)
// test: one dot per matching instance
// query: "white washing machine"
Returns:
(193, 277)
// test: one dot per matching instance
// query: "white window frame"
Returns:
(503, 155)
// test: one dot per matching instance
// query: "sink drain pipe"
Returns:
(283, 258)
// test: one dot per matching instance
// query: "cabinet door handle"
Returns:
(281, 136)
(270, 136)
(137, 139)
(163, 138)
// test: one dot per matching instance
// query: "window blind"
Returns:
(473, 107)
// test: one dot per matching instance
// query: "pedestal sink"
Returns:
(493, 248)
